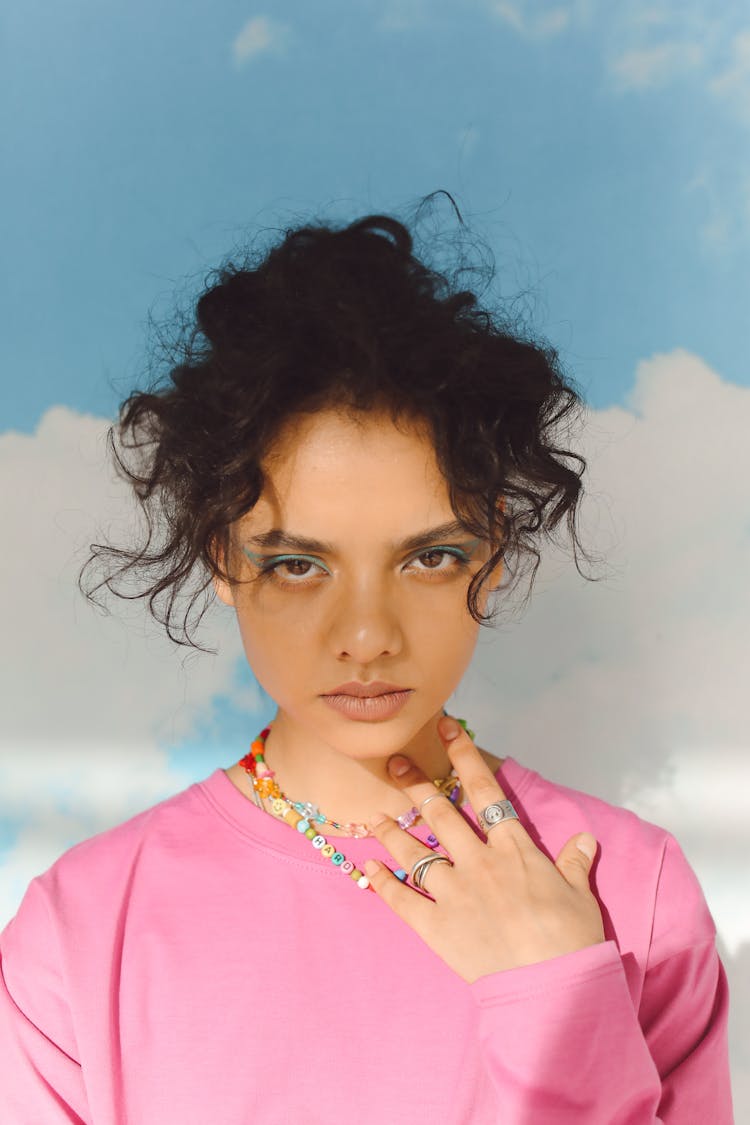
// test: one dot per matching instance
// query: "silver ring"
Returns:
(433, 798)
(419, 870)
(496, 812)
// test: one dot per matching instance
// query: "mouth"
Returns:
(366, 691)
(369, 707)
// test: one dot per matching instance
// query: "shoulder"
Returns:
(98, 872)
(553, 811)
(640, 874)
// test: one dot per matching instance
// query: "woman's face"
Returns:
(362, 606)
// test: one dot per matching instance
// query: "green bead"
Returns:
(469, 732)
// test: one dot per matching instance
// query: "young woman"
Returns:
(367, 917)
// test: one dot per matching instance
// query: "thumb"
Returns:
(575, 860)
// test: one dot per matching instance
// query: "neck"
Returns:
(348, 789)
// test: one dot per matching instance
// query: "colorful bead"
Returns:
(407, 819)
(303, 815)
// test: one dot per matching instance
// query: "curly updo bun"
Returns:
(340, 317)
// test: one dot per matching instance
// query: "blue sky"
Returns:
(602, 153)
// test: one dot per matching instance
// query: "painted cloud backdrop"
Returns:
(602, 152)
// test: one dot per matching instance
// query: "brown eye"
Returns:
(459, 560)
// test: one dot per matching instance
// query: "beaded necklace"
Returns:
(303, 815)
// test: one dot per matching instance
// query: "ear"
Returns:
(223, 590)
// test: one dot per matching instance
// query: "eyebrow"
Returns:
(276, 537)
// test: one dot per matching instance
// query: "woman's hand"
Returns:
(504, 903)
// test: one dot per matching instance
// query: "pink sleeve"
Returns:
(40, 1078)
(564, 1043)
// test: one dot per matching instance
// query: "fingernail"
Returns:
(587, 845)
(398, 765)
(449, 728)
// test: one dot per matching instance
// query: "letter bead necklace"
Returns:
(304, 816)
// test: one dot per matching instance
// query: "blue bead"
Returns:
(337, 858)
(401, 874)
(303, 825)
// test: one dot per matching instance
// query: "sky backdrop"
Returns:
(601, 152)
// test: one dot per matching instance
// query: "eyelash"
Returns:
(269, 566)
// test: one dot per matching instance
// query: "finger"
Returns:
(404, 847)
(576, 860)
(448, 825)
(409, 903)
(481, 785)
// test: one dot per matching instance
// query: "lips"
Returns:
(375, 687)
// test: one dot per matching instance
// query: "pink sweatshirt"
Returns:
(203, 964)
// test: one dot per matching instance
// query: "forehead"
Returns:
(348, 451)
(330, 476)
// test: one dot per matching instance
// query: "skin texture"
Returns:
(361, 483)
(503, 904)
(370, 612)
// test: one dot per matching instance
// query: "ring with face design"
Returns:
(493, 814)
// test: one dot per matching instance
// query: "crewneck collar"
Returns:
(260, 828)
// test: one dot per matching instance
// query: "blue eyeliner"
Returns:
(260, 560)
(268, 563)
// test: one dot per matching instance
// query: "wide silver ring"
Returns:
(495, 813)
(419, 870)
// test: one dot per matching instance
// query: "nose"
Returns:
(365, 623)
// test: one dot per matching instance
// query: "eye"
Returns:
(457, 559)
(269, 567)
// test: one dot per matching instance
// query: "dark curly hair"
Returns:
(347, 318)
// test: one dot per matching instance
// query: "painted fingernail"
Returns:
(449, 728)
(398, 765)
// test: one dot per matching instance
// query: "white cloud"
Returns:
(258, 36)
(534, 20)
(88, 700)
(732, 83)
(635, 687)
(643, 68)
